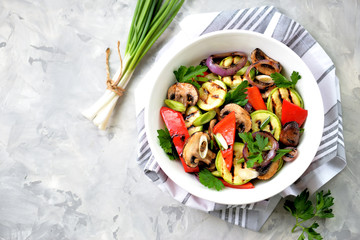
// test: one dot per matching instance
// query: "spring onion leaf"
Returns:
(282, 81)
(166, 143)
(175, 105)
(220, 141)
(303, 210)
(238, 95)
(208, 180)
(280, 154)
(265, 123)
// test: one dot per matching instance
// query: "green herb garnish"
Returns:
(238, 95)
(280, 154)
(265, 123)
(256, 147)
(166, 143)
(207, 179)
(191, 75)
(302, 209)
(283, 82)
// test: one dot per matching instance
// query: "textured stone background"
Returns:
(61, 178)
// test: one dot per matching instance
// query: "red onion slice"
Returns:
(259, 84)
(226, 71)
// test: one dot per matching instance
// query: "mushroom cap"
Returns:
(256, 55)
(196, 143)
(243, 120)
(270, 170)
(290, 134)
(185, 93)
(291, 156)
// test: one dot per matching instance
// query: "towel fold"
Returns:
(330, 157)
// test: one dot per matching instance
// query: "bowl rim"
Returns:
(204, 192)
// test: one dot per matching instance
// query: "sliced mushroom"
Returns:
(196, 150)
(185, 93)
(269, 170)
(257, 55)
(243, 120)
(211, 128)
(266, 92)
(211, 167)
(290, 134)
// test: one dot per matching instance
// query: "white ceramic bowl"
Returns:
(225, 41)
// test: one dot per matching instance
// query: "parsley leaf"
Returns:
(256, 147)
(302, 209)
(261, 142)
(207, 179)
(190, 74)
(166, 143)
(312, 234)
(238, 95)
(281, 81)
(323, 204)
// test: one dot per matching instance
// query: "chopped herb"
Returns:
(241, 160)
(256, 147)
(166, 143)
(265, 123)
(283, 82)
(208, 180)
(238, 95)
(280, 154)
(211, 144)
(191, 74)
(302, 209)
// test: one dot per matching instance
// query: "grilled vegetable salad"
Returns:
(233, 119)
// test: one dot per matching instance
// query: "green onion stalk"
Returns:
(151, 18)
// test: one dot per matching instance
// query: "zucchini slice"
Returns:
(240, 174)
(232, 81)
(275, 99)
(212, 95)
(273, 127)
(191, 114)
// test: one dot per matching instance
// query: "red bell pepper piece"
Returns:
(247, 185)
(255, 99)
(292, 112)
(227, 129)
(175, 123)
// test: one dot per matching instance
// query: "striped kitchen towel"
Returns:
(330, 157)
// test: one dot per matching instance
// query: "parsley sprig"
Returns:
(166, 143)
(191, 74)
(256, 147)
(207, 179)
(283, 82)
(302, 209)
(238, 95)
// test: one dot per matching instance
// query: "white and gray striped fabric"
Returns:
(330, 157)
